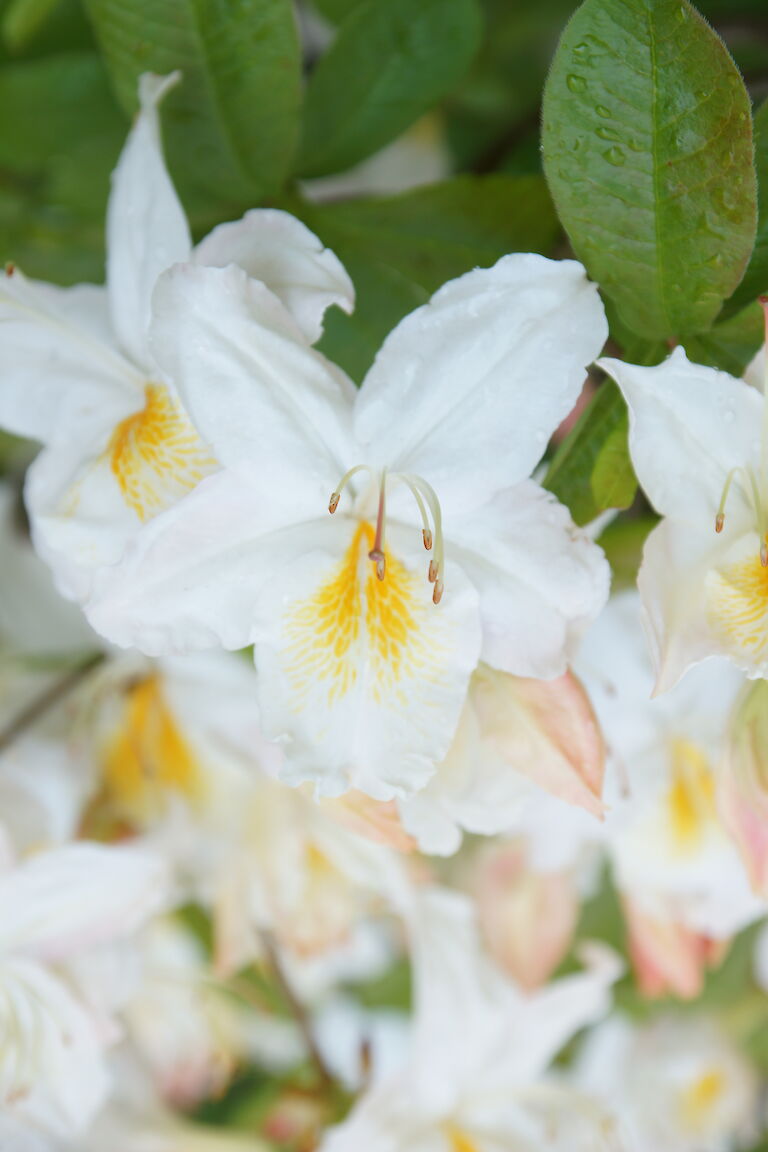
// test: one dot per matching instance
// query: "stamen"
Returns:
(10, 268)
(437, 592)
(426, 532)
(720, 517)
(333, 503)
(376, 553)
(436, 572)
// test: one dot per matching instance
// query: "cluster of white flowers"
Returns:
(447, 733)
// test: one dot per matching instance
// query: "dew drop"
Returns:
(635, 145)
(607, 133)
(603, 111)
(576, 83)
(582, 52)
(615, 156)
(681, 14)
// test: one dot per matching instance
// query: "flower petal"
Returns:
(540, 579)
(59, 358)
(147, 230)
(689, 425)
(192, 576)
(246, 373)
(467, 390)
(364, 678)
(69, 899)
(276, 248)
(52, 1070)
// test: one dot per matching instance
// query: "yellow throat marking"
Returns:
(352, 608)
(148, 756)
(458, 1141)
(156, 454)
(738, 604)
(700, 1097)
(691, 797)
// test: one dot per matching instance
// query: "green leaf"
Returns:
(334, 11)
(591, 470)
(647, 140)
(22, 19)
(231, 126)
(731, 343)
(755, 281)
(623, 541)
(56, 154)
(390, 63)
(400, 249)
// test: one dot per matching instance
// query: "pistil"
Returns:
(376, 553)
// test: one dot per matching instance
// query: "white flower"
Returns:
(673, 860)
(358, 668)
(699, 444)
(53, 907)
(677, 1083)
(78, 373)
(473, 1077)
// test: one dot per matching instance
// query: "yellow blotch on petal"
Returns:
(156, 454)
(700, 1098)
(458, 1141)
(355, 618)
(738, 605)
(147, 757)
(691, 797)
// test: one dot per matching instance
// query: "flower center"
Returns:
(156, 455)
(691, 797)
(701, 1097)
(428, 506)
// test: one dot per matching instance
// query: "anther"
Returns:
(380, 562)
(10, 268)
(427, 537)
(719, 521)
(432, 572)
(437, 592)
(333, 503)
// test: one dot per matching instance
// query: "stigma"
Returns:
(428, 505)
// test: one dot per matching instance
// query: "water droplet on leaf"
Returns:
(576, 83)
(615, 156)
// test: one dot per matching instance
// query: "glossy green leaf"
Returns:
(334, 11)
(391, 62)
(623, 541)
(231, 126)
(647, 139)
(755, 280)
(400, 249)
(591, 470)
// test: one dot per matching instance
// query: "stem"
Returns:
(298, 1011)
(47, 699)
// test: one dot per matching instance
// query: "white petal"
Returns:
(246, 373)
(364, 678)
(147, 230)
(276, 248)
(69, 899)
(467, 390)
(689, 425)
(59, 356)
(192, 576)
(52, 1069)
(677, 559)
(540, 579)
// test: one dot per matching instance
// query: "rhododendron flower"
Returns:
(677, 1083)
(368, 623)
(672, 857)
(479, 1050)
(53, 907)
(78, 373)
(699, 445)
(743, 782)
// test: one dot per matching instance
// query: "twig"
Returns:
(298, 1010)
(47, 699)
